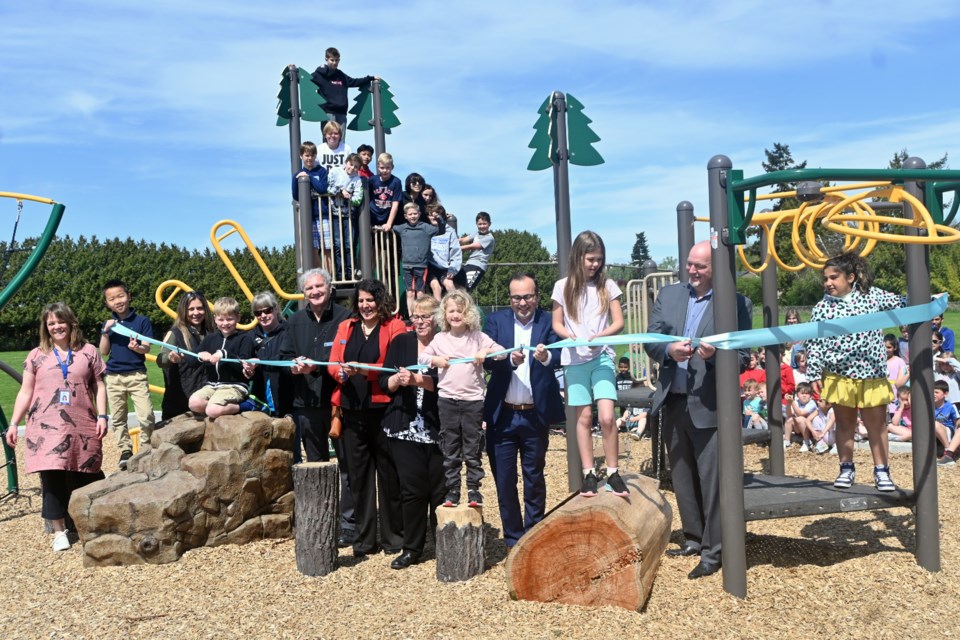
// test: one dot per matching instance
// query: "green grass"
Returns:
(9, 387)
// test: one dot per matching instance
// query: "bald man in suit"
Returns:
(687, 392)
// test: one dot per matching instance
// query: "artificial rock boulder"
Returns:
(206, 483)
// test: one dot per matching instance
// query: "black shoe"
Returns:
(589, 487)
(404, 560)
(474, 498)
(126, 455)
(704, 569)
(362, 554)
(452, 500)
(346, 539)
(687, 549)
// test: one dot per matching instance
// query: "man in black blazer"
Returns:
(687, 391)
(523, 400)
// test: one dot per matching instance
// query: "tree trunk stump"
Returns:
(460, 541)
(316, 491)
(594, 551)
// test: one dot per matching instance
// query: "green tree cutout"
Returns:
(362, 109)
(544, 141)
(580, 137)
(311, 102)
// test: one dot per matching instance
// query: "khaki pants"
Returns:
(121, 386)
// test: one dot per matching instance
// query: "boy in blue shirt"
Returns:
(318, 187)
(945, 416)
(386, 193)
(126, 368)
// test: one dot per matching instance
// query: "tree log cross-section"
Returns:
(594, 551)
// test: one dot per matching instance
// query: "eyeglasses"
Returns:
(937, 341)
(418, 318)
(524, 298)
(262, 312)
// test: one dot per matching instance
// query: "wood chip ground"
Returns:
(835, 576)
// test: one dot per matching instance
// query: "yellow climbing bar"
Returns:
(234, 227)
(24, 196)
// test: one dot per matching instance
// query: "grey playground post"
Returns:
(729, 429)
(379, 137)
(921, 370)
(302, 213)
(561, 181)
(685, 237)
(771, 314)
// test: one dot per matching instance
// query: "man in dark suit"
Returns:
(687, 391)
(523, 400)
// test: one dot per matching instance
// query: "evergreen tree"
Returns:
(641, 251)
(901, 156)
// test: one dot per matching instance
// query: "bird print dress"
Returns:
(64, 436)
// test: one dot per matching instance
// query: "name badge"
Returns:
(65, 396)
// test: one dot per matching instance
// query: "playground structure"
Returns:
(8, 291)
(920, 194)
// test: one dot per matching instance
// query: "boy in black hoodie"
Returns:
(333, 85)
(227, 386)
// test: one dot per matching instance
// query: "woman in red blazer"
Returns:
(363, 339)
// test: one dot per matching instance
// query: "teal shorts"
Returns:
(594, 380)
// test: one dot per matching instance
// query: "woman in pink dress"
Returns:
(64, 400)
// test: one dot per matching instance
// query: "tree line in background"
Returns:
(74, 271)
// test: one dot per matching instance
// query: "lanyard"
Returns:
(64, 365)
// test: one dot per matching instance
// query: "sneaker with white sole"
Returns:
(60, 541)
(847, 476)
(882, 480)
(804, 448)
(822, 447)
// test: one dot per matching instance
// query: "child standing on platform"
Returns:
(853, 367)
(461, 389)
(126, 369)
(586, 305)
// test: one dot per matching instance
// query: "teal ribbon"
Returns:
(730, 340)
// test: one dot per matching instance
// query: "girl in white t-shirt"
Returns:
(586, 305)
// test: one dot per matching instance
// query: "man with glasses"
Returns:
(523, 400)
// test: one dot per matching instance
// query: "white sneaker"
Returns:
(60, 541)
(822, 447)
(804, 448)
(786, 444)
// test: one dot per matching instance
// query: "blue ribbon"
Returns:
(729, 340)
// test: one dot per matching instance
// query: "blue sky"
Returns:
(155, 120)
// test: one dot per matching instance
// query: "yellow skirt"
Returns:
(872, 392)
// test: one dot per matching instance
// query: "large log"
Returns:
(316, 492)
(459, 537)
(594, 551)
